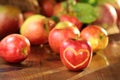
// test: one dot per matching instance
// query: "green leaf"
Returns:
(85, 12)
(55, 18)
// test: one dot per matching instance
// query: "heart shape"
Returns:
(76, 58)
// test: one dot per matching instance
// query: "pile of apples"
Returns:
(73, 38)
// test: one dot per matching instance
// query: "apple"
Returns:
(116, 5)
(14, 48)
(107, 16)
(75, 54)
(36, 29)
(47, 8)
(72, 19)
(21, 20)
(60, 8)
(9, 20)
(96, 35)
(118, 20)
(60, 32)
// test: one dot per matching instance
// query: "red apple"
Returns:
(14, 48)
(107, 17)
(9, 20)
(118, 20)
(60, 32)
(36, 29)
(116, 5)
(96, 35)
(75, 54)
(72, 19)
(47, 7)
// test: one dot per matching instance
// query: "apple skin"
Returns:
(14, 48)
(60, 32)
(36, 29)
(107, 16)
(9, 20)
(59, 9)
(75, 54)
(118, 20)
(96, 35)
(72, 19)
(47, 8)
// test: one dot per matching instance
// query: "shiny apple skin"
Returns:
(60, 32)
(14, 48)
(97, 36)
(36, 29)
(72, 19)
(75, 54)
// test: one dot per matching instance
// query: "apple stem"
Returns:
(46, 26)
(24, 51)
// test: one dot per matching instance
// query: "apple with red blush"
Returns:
(36, 29)
(11, 19)
(14, 48)
(75, 54)
(107, 16)
(96, 35)
(60, 32)
(47, 7)
(72, 19)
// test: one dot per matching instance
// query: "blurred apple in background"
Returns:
(107, 16)
(10, 20)
(72, 19)
(96, 35)
(60, 8)
(47, 7)
(60, 32)
(36, 29)
(116, 4)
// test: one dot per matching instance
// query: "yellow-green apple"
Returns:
(14, 48)
(96, 35)
(72, 19)
(75, 54)
(36, 29)
(10, 20)
(60, 32)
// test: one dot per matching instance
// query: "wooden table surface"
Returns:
(43, 64)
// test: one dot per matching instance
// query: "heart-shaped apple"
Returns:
(75, 54)
(81, 56)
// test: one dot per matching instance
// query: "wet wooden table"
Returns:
(43, 64)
